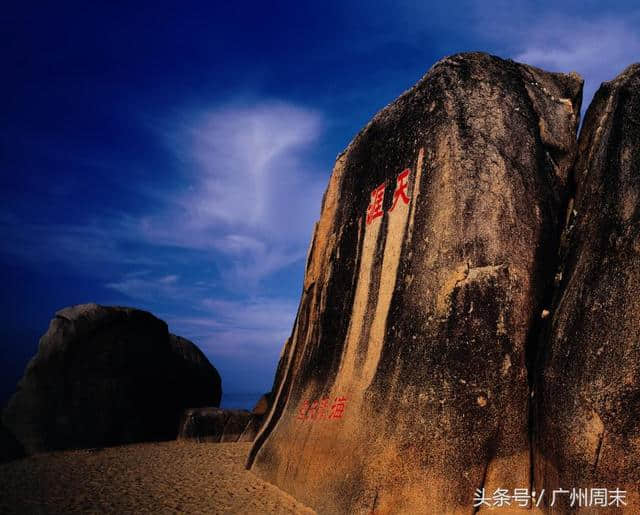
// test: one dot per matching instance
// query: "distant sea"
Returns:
(239, 400)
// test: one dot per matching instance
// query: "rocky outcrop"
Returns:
(263, 405)
(404, 385)
(218, 425)
(106, 376)
(195, 377)
(221, 425)
(589, 382)
(214, 425)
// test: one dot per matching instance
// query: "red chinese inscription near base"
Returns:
(322, 409)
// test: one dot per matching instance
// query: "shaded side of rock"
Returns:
(214, 425)
(588, 390)
(10, 447)
(251, 430)
(107, 376)
(263, 405)
(404, 385)
(198, 379)
(220, 425)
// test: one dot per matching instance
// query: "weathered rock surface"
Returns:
(220, 425)
(404, 385)
(589, 390)
(217, 425)
(105, 376)
(263, 405)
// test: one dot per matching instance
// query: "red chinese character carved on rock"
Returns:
(338, 407)
(401, 188)
(324, 406)
(375, 207)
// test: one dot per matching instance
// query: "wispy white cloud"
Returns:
(147, 287)
(253, 193)
(80, 246)
(249, 160)
(596, 43)
(597, 49)
(250, 193)
(218, 325)
(243, 328)
(597, 40)
(240, 327)
(258, 313)
(241, 208)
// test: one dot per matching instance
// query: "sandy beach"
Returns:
(165, 477)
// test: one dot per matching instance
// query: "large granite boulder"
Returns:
(404, 385)
(588, 410)
(105, 376)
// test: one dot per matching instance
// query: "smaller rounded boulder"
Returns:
(108, 376)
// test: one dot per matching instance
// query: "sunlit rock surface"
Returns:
(404, 385)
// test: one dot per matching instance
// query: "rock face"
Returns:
(218, 425)
(404, 385)
(589, 386)
(197, 379)
(105, 376)
(263, 405)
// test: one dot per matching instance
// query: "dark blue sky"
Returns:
(173, 157)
